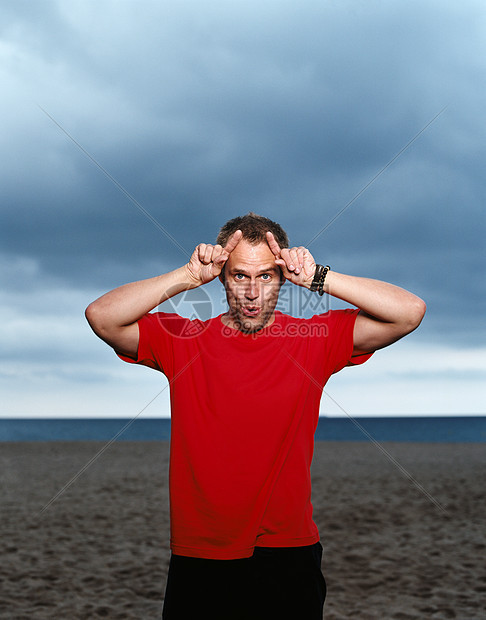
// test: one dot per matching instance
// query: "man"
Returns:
(245, 392)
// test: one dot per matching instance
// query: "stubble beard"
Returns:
(247, 326)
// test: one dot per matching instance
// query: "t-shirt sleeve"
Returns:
(155, 341)
(341, 343)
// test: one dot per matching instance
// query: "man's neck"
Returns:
(228, 320)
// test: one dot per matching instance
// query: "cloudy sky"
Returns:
(193, 112)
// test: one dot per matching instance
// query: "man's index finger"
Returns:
(273, 245)
(233, 241)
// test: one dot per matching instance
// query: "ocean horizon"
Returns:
(444, 429)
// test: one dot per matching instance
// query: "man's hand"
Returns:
(207, 261)
(297, 264)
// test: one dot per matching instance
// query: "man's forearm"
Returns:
(388, 312)
(127, 304)
(381, 300)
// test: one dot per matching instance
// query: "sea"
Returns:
(435, 429)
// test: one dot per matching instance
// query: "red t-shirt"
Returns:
(244, 409)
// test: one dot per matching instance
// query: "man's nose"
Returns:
(252, 291)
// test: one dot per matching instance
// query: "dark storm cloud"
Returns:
(203, 114)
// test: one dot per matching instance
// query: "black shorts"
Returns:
(285, 583)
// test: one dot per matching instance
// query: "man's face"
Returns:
(252, 281)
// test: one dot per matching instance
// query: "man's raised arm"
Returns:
(114, 316)
(388, 312)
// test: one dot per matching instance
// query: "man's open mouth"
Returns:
(251, 311)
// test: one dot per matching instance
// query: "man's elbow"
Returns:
(90, 313)
(94, 315)
(415, 314)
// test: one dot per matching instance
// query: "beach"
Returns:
(402, 526)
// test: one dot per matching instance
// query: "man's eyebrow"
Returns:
(270, 268)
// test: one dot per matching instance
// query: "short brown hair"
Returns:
(254, 228)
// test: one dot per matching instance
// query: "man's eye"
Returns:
(239, 276)
(266, 277)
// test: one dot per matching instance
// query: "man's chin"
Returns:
(250, 326)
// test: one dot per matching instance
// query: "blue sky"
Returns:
(204, 111)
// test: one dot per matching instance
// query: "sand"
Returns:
(100, 550)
